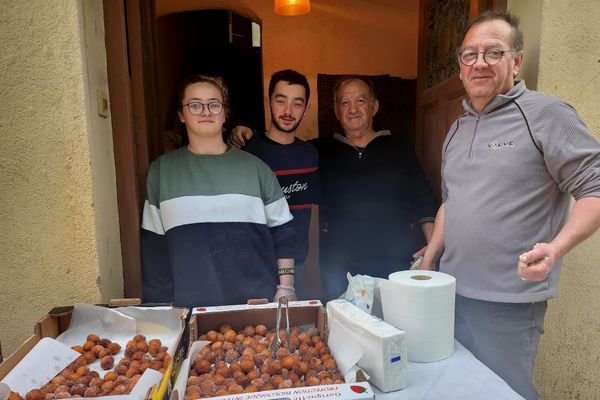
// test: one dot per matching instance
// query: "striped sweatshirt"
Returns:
(212, 229)
(509, 173)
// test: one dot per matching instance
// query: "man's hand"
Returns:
(287, 291)
(535, 265)
(419, 253)
(239, 135)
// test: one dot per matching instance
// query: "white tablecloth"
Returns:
(461, 377)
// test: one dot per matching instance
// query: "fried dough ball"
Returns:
(258, 382)
(91, 391)
(261, 330)
(251, 389)
(139, 338)
(107, 386)
(323, 374)
(105, 352)
(224, 328)
(87, 346)
(157, 365)
(119, 389)
(114, 347)
(201, 366)
(282, 352)
(89, 356)
(223, 371)
(228, 346)
(293, 377)
(234, 366)
(142, 346)
(80, 361)
(252, 375)
(92, 337)
(330, 364)
(274, 367)
(276, 380)
(14, 396)
(212, 336)
(78, 388)
(95, 382)
(326, 381)
(248, 331)
(132, 371)
(121, 380)
(285, 384)
(35, 394)
(107, 362)
(229, 336)
(240, 378)
(299, 383)
(246, 365)
(154, 347)
(121, 369)
(290, 361)
(97, 349)
(110, 376)
(313, 381)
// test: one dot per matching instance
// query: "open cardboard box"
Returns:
(57, 321)
(301, 313)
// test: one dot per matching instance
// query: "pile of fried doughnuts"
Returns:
(240, 362)
(77, 380)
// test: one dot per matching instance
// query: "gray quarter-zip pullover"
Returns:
(508, 176)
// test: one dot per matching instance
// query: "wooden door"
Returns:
(439, 90)
(129, 26)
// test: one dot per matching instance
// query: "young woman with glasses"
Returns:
(216, 226)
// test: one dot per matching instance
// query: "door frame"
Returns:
(129, 49)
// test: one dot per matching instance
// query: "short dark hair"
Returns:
(504, 15)
(290, 76)
(347, 78)
(216, 81)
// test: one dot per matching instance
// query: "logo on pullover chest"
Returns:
(501, 145)
(293, 188)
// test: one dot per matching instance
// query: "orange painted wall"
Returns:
(336, 37)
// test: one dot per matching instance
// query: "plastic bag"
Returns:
(361, 291)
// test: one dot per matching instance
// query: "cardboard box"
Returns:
(57, 320)
(301, 313)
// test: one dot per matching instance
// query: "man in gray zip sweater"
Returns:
(510, 165)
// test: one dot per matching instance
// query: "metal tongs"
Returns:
(277, 343)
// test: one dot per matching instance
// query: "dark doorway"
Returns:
(211, 42)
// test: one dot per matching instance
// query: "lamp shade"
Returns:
(292, 7)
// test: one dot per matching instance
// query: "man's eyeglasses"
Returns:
(491, 56)
(197, 108)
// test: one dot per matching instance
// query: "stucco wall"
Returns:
(59, 242)
(353, 36)
(530, 13)
(569, 68)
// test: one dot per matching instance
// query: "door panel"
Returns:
(129, 27)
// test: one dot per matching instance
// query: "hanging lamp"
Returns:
(291, 7)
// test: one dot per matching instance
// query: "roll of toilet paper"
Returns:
(421, 303)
